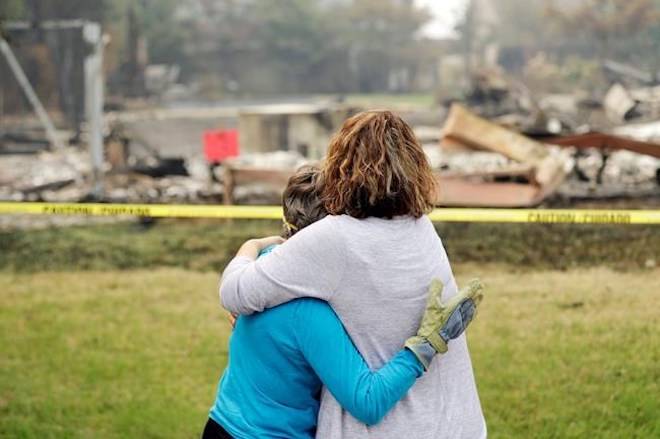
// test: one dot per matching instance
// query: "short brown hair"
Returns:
(376, 167)
(301, 200)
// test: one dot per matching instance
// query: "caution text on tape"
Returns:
(546, 216)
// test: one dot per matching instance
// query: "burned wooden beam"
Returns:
(513, 171)
(472, 130)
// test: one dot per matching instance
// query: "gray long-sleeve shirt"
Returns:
(375, 274)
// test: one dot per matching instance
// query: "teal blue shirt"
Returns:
(279, 360)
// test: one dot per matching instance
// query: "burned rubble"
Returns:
(609, 149)
(500, 147)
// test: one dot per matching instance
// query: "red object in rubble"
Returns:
(219, 145)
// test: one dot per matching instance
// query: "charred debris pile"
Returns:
(500, 146)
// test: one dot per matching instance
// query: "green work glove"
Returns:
(444, 322)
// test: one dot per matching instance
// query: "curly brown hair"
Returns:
(377, 168)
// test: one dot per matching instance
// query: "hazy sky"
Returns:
(446, 14)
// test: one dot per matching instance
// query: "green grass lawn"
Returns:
(207, 245)
(123, 354)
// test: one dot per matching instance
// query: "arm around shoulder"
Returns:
(309, 264)
(367, 395)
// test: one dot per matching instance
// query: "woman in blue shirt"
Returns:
(280, 359)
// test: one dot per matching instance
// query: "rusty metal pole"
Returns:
(94, 102)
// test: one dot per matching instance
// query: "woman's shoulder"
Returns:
(341, 227)
(338, 225)
(325, 236)
(324, 226)
(332, 227)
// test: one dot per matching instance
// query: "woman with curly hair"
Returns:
(372, 259)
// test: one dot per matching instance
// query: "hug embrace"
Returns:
(351, 325)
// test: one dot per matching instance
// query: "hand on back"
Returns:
(444, 322)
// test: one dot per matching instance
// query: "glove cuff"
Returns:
(423, 351)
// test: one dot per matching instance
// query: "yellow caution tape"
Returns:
(547, 216)
(145, 210)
